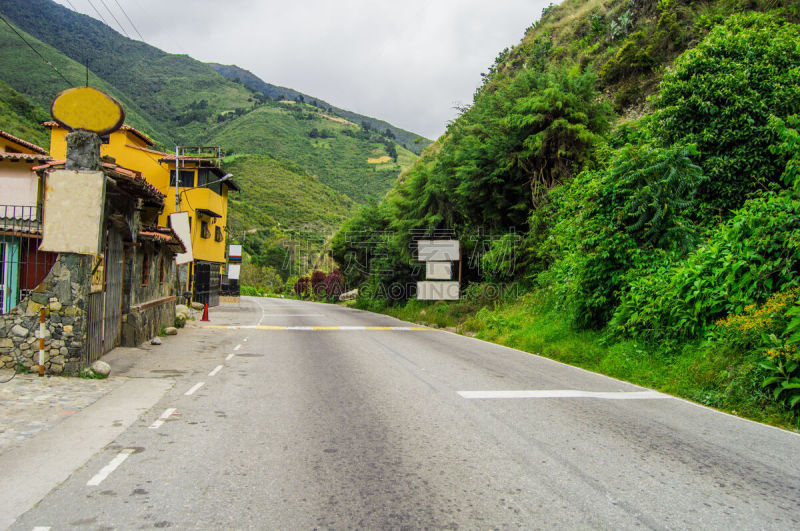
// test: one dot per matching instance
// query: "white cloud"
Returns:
(407, 62)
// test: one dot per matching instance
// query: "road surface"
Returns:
(293, 415)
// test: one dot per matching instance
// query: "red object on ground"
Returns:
(205, 313)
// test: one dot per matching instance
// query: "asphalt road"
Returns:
(367, 427)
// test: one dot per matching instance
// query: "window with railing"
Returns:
(22, 265)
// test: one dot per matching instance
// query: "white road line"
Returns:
(245, 339)
(566, 393)
(299, 328)
(194, 388)
(293, 315)
(164, 416)
(40, 528)
(110, 467)
(215, 371)
(237, 347)
(229, 357)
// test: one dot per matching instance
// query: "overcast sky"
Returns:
(408, 62)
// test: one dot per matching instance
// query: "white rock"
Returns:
(101, 367)
(182, 309)
(197, 305)
(155, 341)
(171, 331)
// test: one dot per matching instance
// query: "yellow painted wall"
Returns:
(158, 174)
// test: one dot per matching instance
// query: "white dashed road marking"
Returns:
(215, 371)
(164, 416)
(566, 393)
(194, 388)
(237, 347)
(229, 357)
(110, 467)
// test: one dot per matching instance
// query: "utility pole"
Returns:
(177, 175)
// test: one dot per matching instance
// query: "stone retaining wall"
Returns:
(64, 296)
(143, 323)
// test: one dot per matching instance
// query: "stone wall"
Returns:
(142, 323)
(64, 296)
(148, 301)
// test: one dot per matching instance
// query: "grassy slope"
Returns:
(19, 116)
(412, 141)
(277, 192)
(339, 162)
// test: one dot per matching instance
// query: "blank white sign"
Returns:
(437, 291)
(438, 250)
(73, 206)
(438, 270)
(179, 221)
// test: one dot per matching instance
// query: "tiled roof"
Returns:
(15, 157)
(164, 235)
(49, 164)
(29, 145)
(124, 127)
(130, 180)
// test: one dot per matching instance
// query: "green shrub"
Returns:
(720, 96)
(745, 260)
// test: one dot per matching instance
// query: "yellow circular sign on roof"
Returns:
(88, 109)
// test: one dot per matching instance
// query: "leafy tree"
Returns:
(788, 133)
(651, 190)
(720, 96)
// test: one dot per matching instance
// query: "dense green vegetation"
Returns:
(18, 113)
(631, 170)
(337, 153)
(283, 216)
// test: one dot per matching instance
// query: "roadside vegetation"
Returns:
(626, 188)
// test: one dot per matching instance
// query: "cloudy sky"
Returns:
(408, 62)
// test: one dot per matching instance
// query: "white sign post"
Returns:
(439, 256)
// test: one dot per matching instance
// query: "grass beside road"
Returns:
(531, 324)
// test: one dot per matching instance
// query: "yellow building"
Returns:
(202, 192)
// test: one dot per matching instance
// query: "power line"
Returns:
(98, 12)
(72, 6)
(37, 51)
(115, 19)
(129, 20)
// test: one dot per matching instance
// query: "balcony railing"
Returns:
(21, 219)
(22, 265)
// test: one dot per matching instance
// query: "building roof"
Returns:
(164, 235)
(128, 180)
(27, 157)
(29, 145)
(124, 127)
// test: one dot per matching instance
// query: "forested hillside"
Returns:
(407, 139)
(626, 188)
(176, 99)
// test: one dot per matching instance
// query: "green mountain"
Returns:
(407, 139)
(336, 151)
(178, 100)
(21, 117)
